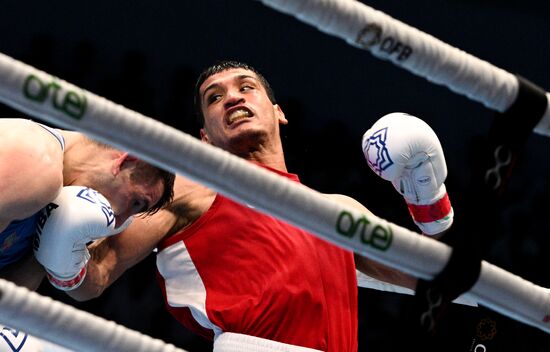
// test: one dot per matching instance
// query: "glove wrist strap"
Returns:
(430, 212)
(67, 284)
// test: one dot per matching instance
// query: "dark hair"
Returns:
(144, 172)
(224, 66)
(147, 172)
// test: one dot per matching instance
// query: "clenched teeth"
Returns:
(238, 115)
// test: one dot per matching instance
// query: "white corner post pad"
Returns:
(232, 342)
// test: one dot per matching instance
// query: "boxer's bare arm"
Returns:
(31, 169)
(112, 256)
(369, 266)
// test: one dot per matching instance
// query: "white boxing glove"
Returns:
(405, 150)
(77, 216)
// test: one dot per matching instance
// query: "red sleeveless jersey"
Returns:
(238, 270)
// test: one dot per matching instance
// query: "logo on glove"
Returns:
(377, 154)
(94, 197)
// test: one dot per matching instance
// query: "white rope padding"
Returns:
(409, 48)
(46, 97)
(69, 327)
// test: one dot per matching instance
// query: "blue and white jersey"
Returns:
(56, 133)
(16, 239)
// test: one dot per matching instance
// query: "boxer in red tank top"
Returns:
(227, 268)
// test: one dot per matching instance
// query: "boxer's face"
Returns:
(129, 198)
(128, 189)
(238, 115)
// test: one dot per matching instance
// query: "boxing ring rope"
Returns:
(409, 48)
(61, 103)
(68, 326)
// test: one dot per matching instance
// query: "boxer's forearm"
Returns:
(384, 273)
(100, 272)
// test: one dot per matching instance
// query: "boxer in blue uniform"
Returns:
(37, 163)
